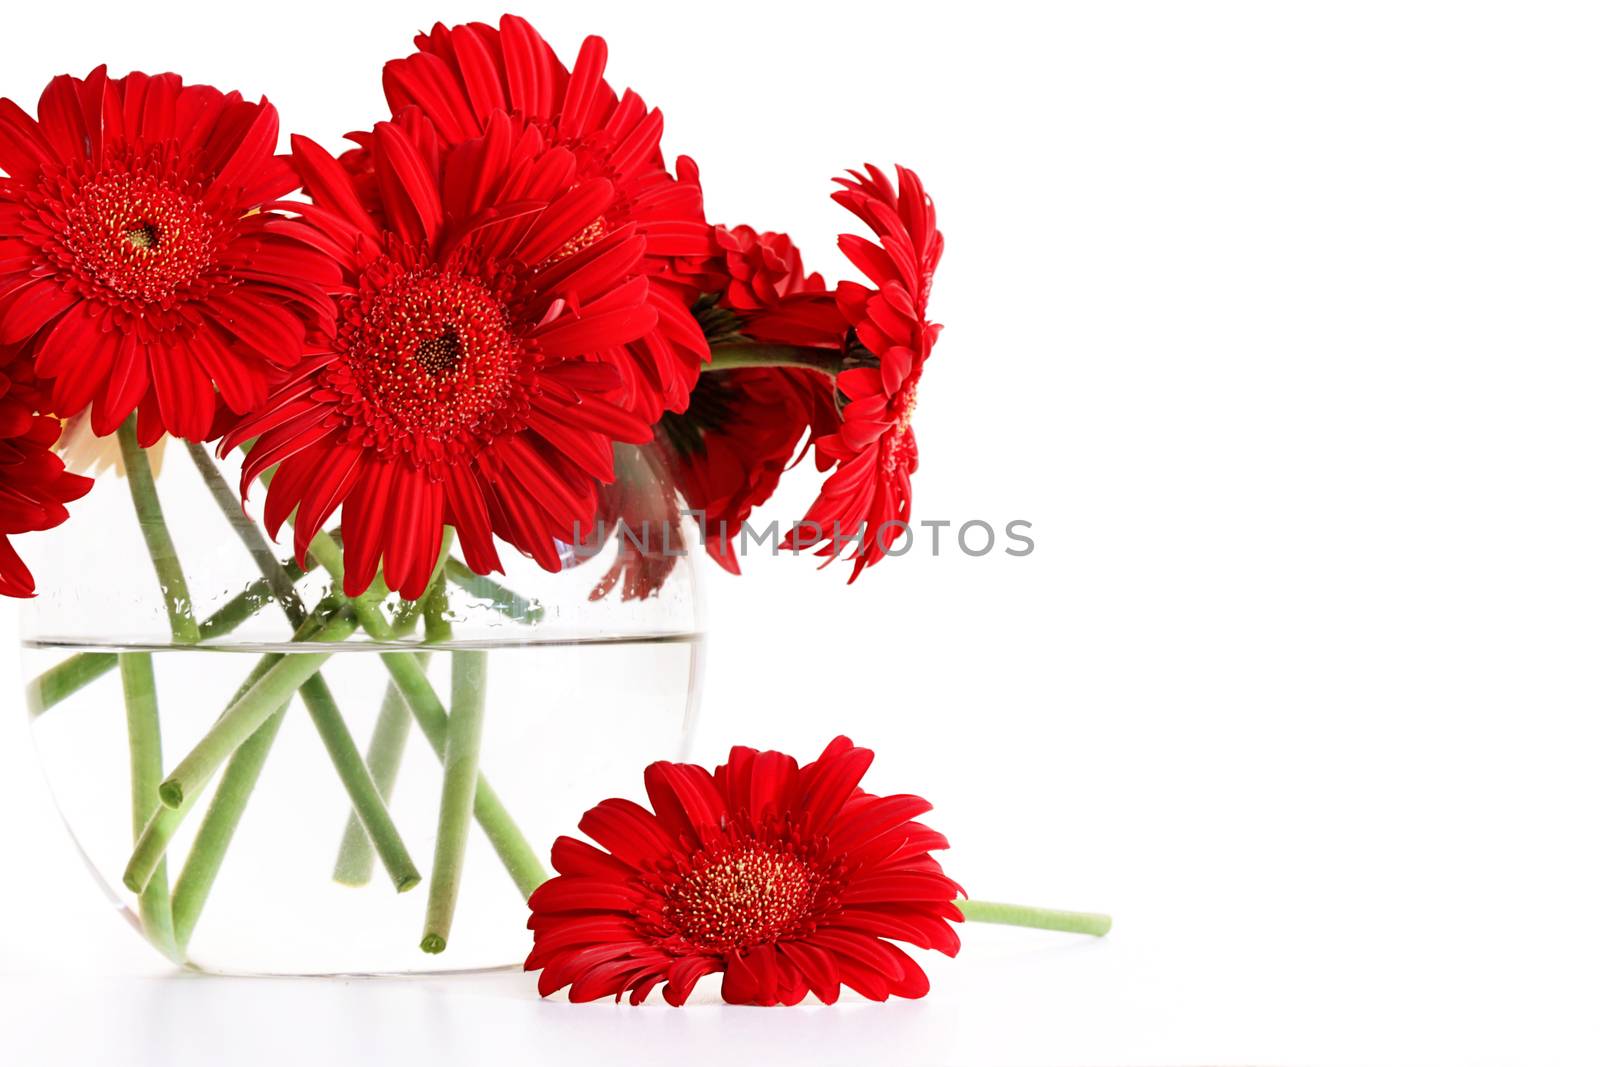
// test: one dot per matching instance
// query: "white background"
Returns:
(1278, 322)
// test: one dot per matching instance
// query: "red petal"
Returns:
(894, 888)
(410, 193)
(627, 831)
(274, 332)
(329, 184)
(571, 856)
(130, 378)
(685, 799)
(684, 974)
(831, 779)
(569, 893)
(819, 969)
(188, 399)
(30, 308)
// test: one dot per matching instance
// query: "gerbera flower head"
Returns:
(785, 879)
(756, 289)
(727, 451)
(866, 501)
(740, 434)
(461, 77)
(754, 270)
(743, 426)
(35, 486)
(457, 388)
(137, 268)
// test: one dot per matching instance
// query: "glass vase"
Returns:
(321, 832)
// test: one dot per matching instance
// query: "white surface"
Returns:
(1278, 321)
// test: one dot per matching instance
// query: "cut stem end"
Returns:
(1068, 922)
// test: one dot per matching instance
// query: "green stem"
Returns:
(58, 683)
(493, 819)
(163, 823)
(462, 746)
(353, 865)
(157, 538)
(748, 354)
(53, 686)
(406, 614)
(75, 672)
(216, 831)
(367, 800)
(255, 542)
(246, 605)
(246, 715)
(385, 750)
(365, 797)
(144, 751)
(507, 602)
(412, 680)
(222, 817)
(436, 628)
(384, 754)
(1071, 922)
(226, 808)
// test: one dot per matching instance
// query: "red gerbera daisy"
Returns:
(754, 270)
(34, 483)
(461, 77)
(743, 425)
(738, 437)
(785, 879)
(866, 501)
(456, 390)
(135, 262)
(727, 452)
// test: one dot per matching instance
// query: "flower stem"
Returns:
(436, 627)
(157, 538)
(368, 801)
(748, 354)
(216, 831)
(507, 602)
(1071, 922)
(384, 754)
(353, 867)
(227, 804)
(246, 605)
(493, 819)
(53, 686)
(246, 715)
(462, 746)
(365, 797)
(58, 683)
(232, 794)
(412, 680)
(272, 571)
(163, 823)
(144, 752)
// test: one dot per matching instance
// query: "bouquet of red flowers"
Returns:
(445, 347)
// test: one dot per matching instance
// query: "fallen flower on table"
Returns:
(785, 879)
